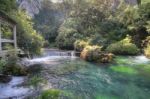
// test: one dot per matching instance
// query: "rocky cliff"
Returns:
(31, 6)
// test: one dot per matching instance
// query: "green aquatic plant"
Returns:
(35, 81)
(121, 60)
(134, 92)
(144, 70)
(124, 69)
(50, 94)
(106, 97)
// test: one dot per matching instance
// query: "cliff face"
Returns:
(132, 2)
(31, 6)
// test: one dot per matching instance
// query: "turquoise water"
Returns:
(126, 78)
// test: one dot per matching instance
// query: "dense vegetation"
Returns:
(75, 24)
(88, 22)
(28, 39)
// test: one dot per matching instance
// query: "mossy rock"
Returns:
(5, 78)
(34, 69)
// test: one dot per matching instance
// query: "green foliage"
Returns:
(50, 94)
(48, 20)
(7, 32)
(2, 64)
(7, 5)
(68, 34)
(15, 70)
(123, 47)
(147, 51)
(145, 1)
(9, 66)
(94, 54)
(28, 38)
(79, 45)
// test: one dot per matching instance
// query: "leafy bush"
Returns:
(10, 66)
(90, 53)
(147, 51)
(79, 45)
(2, 64)
(146, 45)
(94, 54)
(123, 47)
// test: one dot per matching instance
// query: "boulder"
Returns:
(5, 78)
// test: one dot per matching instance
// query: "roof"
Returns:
(6, 17)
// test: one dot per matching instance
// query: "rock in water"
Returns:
(5, 78)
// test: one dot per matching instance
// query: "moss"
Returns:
(124, 69)
(50, 94)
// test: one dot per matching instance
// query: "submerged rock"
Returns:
(5, 78)
(35, 68)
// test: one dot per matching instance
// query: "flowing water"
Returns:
(127, 78)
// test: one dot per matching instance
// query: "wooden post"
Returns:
(15, 38)
(0, 37)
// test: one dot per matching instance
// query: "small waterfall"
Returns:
(50, 56)
(73, 54)
(141, 59)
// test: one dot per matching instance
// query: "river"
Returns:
(127, 78)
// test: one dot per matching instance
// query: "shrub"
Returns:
(123, 47)
(79, 45)
(147, 51)
(94, 54)
(2, 64)
(11, 67)
(146, 45)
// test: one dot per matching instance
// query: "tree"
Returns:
(7, 5)
(28, 39)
